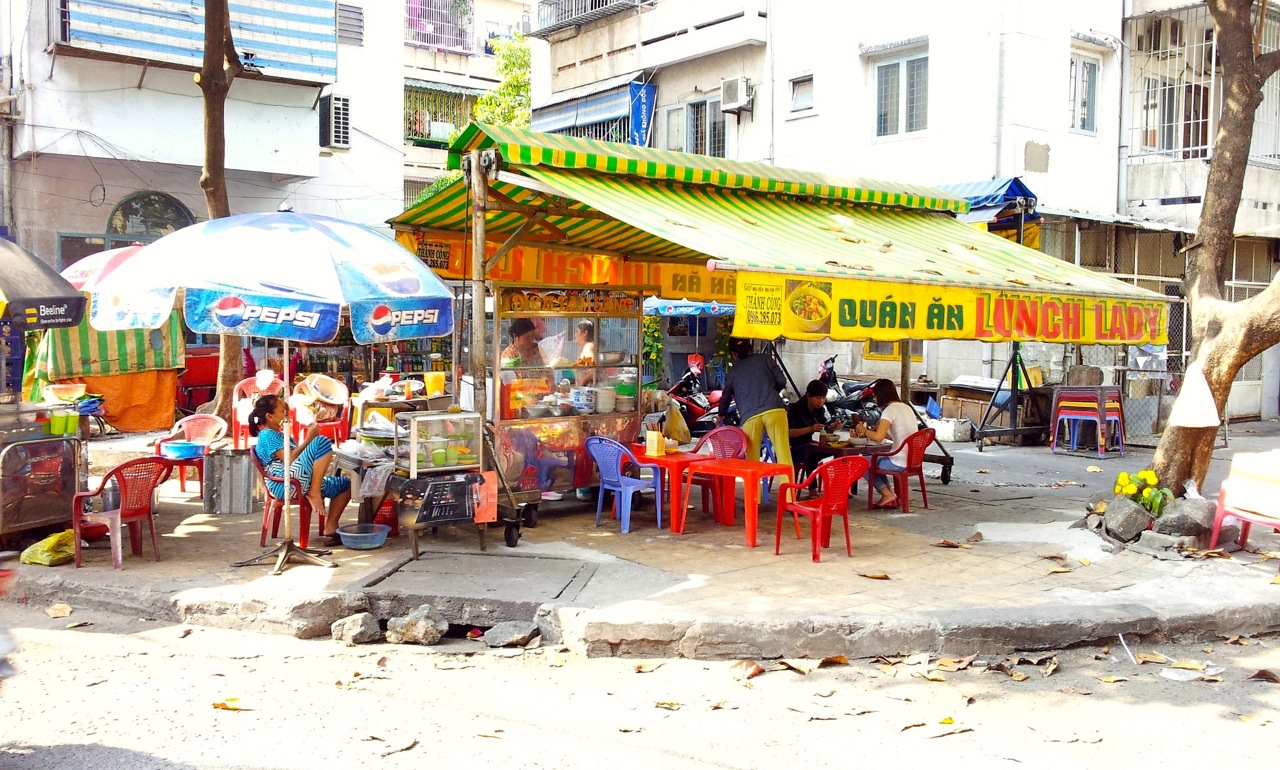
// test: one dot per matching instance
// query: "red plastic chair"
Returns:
(273, 507)
(248, 388)
(201, 429)
(916, 443)
(838, 476)
(137, 480)
(339, 428)
(728, 442)
(1249, 493)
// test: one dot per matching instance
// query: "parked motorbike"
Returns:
(7, 647)
(699, 409)
(850, 400)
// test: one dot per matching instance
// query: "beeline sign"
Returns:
(54, 311)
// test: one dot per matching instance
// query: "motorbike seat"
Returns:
(849, 388)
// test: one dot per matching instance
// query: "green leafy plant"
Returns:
(1144, 489)
(652, 345)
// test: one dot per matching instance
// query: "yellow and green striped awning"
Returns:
(764, 233)
(526, 148)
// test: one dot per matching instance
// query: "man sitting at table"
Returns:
(804, 418)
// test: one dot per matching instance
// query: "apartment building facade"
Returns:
(101, 120)
(1105, 109)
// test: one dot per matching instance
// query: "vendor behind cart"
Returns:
(523, 385)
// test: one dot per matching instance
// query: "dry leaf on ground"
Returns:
(230, 704)
(1266, 675)
(1093, 469)
(976, 537)
(1151, 657)
(801, 666)
(1276, 580)
(382, 662)
(953, 732)
(948, 544)
(669, 705)
(1032, 659)
(79, 624)
(1049, 668)
(59, 610)
(647, 667)
(185, 633)
(983, 470)
(874, 575)
(919, 659)
(885, 668)
(946, 721)
(1112, 679)
(721, 704)
(908, 727)
(1059, 571)
(1085, 562)
(1189, 665)
(835, 660)
(746, 669)
(932, 676)
(400, 750)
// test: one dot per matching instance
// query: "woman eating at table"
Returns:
(897, 421)
(308, 463)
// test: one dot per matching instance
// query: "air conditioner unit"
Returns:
(439, 131)
(335, 122)
(735, 94)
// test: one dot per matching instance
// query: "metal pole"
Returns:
(479, 200)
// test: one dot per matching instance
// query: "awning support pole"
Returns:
(479, 181)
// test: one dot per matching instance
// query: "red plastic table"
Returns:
(673, 466)
(751, 472)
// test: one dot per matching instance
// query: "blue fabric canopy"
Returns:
(989, 197)
(665, 307)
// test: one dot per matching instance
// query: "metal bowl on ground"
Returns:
(610, 358)
(363, 537)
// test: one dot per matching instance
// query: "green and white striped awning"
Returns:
(652, 204)
(82, 351)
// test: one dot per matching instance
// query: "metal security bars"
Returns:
(443, 24)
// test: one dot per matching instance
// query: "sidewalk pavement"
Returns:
(703, 594)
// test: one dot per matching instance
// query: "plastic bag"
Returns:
(52, 551)
(677, 428)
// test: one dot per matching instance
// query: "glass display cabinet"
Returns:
(437, 442)
(567, 367)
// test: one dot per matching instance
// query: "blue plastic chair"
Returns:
(766, 456)
(536, 456)
(611, 458)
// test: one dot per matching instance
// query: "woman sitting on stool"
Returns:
(310, 462)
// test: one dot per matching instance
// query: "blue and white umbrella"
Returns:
(669, 307)
(278, 274)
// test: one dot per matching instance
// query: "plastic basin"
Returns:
(363, 537)
(181, 450)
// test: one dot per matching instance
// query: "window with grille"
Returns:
(432, 116)
(442, 24)
(885, 351)
(1084, 93)
(412, 189)
(1176, 85)
(616, 130)
(902, 96)
(696, 127)
(350, 24)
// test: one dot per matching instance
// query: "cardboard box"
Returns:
(952, 429)
(973, 410)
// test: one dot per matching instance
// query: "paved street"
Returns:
(127, 693)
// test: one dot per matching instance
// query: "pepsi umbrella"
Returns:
(669, 307)
(277, 274)
(32, 294)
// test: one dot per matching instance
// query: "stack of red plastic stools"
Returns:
(1097, 404)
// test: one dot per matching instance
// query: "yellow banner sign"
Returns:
(771, 306)
(549, 267)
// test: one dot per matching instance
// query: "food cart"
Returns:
(543, 410)
(39, 473)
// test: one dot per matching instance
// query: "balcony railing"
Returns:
(443, 24)
(554, 15)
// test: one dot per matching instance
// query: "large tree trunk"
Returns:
(220, 66)
(1225, 335)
